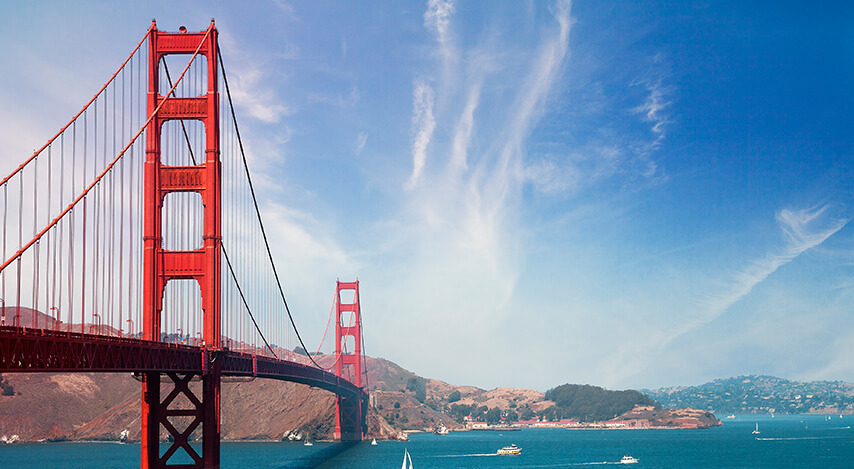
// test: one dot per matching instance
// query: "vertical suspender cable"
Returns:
(258, 212)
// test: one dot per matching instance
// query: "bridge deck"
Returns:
(43, 350)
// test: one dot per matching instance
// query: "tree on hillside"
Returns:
(477, 412)
(511, 416)
(527, 414)
(454, 396)
(418, 386)
(592, 403)
(493, 416)
(6, 389)
(551, 414)
(460, 411)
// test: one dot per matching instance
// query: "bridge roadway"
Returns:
(42, 350)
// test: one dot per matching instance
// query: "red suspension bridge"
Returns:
(132, 242)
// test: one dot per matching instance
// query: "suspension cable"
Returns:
(183, 127)
(224, 251)
(258, 211)
(110, 166)
(243, 298)
(35, 154)
(328, 321)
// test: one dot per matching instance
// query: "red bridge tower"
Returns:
(202, 265)
(350, 413)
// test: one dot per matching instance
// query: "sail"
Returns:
(405, 456)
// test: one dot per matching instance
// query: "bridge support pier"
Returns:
(181, 413)
(350, 419)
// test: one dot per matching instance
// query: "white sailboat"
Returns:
(406, 457)
(756, 432)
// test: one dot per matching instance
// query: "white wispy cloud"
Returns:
(423, 124)
(287, 9)
(252, 98)
(654, 108)
(249, 84)
(605, 150)
(305, 244)
(802, 230)
(437, 18)
(654, 105)
(463, 133)
(567, 174)
(459, 236)
(361, 140)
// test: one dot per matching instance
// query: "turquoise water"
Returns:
(799, 441)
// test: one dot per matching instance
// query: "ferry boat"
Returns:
(730, 416)
(628, 460)
(510, 450)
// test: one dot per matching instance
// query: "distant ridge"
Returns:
(756, 394)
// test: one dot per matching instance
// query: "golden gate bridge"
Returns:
(132, 241)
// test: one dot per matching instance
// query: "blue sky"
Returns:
(627, 194)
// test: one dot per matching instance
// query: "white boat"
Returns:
(730, 416)
(406, 458)
(441, 430)
(509, 450)
(374, 442)
(307, 442)
(628, 460)
(756, 432)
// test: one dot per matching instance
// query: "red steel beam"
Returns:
(44, 350)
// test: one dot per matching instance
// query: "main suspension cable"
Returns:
(109, 167)
(258, 211)
(243, 298)
(73, 119)
(222, 245)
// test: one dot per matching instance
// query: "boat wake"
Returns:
(794, 438)
(603, 463)
(474, 455)
(477, 455)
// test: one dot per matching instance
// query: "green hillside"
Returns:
(592, 403)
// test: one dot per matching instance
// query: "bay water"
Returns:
(784, 441)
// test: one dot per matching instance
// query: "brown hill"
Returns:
(83, 406)
(671, 418)
(80, 406)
